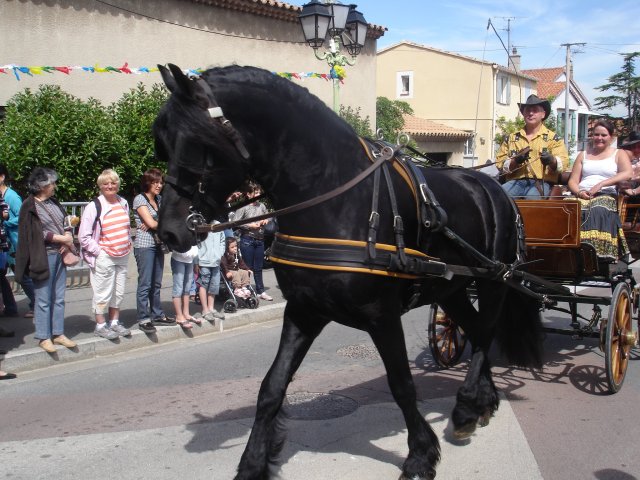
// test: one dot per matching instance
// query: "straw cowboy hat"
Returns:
(631, 140)
(535, 100)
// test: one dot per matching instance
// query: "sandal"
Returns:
(196, 320)
(186, 324)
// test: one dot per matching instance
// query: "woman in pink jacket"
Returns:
(105, 238)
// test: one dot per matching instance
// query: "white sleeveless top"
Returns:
(595, 171)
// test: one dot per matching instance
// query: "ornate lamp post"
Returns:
(346, 28)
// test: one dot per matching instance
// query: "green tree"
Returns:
(133, 115)
(79, 139)
(54, 129)
(389, 117)
(354, 118)
(626, 84)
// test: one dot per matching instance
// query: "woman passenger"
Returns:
(595, 175)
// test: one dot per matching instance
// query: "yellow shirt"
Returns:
(533, 167)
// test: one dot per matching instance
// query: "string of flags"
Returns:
(18, 70)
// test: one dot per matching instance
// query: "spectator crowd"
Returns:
(38, 244)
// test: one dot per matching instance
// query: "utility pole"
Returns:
(508, 30)
(567, 75)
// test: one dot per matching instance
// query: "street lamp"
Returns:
(345, 25)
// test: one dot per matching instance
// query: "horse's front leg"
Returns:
(424, 448)
(267, 435)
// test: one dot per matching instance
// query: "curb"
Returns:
(89, 348)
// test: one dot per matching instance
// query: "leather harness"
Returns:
(369, 256)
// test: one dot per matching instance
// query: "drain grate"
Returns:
(317, 406)
(362, 351)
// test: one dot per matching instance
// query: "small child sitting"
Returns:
(235, 270)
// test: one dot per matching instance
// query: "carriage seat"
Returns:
(629, 209)
(560, 186)
(552, 239)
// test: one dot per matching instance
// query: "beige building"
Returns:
(142, 33)
(463, 96)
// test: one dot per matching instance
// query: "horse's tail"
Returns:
(519, 330)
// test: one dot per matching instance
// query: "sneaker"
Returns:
(105, 332)
(147, 327)
(209, 317)
(121, 330)
(265, 296)
(217, 315)
(164, 321)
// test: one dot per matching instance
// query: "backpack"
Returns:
(98, 213)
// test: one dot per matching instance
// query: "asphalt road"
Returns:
(185, 409)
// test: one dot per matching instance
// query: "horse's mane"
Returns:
(250, 94)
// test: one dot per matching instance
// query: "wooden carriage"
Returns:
(556, 254)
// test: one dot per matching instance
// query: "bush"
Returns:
(79, 139)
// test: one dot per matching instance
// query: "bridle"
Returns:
(196, 222)
(196, 191)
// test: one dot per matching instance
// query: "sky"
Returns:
(537, 29)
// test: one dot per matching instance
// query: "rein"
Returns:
(387, 154)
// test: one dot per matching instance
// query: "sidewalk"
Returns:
(23, 353)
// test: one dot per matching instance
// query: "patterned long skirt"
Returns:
(601, 227)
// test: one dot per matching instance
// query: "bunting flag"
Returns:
(336, 72)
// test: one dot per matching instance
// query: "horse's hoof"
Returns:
(464, 432)
(416, 477)
(484, 419)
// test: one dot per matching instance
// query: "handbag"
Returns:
(69, 258)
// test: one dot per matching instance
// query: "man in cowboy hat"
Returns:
(533, 158)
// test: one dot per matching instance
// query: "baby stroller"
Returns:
(233, 301)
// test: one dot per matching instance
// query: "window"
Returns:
(503, 89)
(469, 147)
(527, 89)
(404, 85)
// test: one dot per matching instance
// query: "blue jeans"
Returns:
(182, 278)
(525, 188)
(150, 263)
(49, 300)
(252, 251)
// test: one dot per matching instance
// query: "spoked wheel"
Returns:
(446, 339)
(618, 336)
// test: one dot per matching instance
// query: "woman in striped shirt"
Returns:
(106, 242)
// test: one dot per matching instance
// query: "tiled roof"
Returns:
(545, 74)
(273, 9)
(421, 126)
(546, 90)
(548, 86)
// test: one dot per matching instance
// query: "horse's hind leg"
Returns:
(267, 434)
(424, 449)
(477, 399)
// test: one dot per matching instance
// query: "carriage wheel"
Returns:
(446, 339)
(619, 337)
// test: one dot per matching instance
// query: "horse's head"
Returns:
(206, 159)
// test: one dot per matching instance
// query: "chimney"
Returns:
(514, 60)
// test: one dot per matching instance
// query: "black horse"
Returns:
(297, 148)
